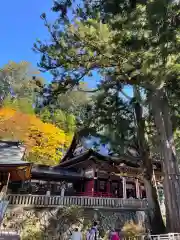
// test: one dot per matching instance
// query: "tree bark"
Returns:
(155, 216)
(163, 123)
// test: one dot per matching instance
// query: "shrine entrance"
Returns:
(131, 189)
(117, 188)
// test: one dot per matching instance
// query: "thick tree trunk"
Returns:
(162, 119)
(155, 216)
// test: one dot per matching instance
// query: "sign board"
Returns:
(89, 173)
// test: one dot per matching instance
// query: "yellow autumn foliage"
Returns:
(131, 229)
(45, 142)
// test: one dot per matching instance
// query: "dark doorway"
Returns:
(131, 190)
(117, 188)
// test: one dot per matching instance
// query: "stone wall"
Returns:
(57, 223)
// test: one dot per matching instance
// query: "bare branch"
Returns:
(87, 91)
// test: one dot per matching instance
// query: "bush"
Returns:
(130, 229)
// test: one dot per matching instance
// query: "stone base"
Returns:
(57, 223)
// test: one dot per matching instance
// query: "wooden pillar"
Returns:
(48, 192)
(109, 187)
(63, 187)
(140, 190)
(137, 189)
(124, 188)
(96, 183)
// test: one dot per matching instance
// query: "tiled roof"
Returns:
(53, 172)
(79, 152)
(11, 153)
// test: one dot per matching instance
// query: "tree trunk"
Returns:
(163, 123)
(155, 216)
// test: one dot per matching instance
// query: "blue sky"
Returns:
(20, 26)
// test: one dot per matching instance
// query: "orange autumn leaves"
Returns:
(45, 142)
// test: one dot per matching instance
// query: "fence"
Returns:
(87, 202)
(9, 235)
(169, 236)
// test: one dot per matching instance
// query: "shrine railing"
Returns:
(87, 202)
(9, 234)
(168, 236)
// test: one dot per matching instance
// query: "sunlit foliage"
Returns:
(45, 142)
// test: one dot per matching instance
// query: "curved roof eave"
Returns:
(70, 157)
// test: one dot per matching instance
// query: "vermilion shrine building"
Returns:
(84, 178)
